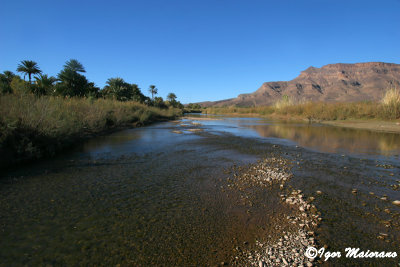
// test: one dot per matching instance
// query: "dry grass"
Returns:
(32, 127)
(285, 102)
(391, 103)
(387, 109)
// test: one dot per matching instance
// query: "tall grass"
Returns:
(387, 109)
(286, 101)
(32, 127)
(391, 103)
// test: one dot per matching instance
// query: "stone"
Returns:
(396, 202)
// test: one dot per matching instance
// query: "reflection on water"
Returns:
(139, 141)
(150, 197)
(138, 197)
(318, 137)
(333, 139)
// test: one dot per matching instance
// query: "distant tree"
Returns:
(179, 105)
(29, 67)
(137, 94)
(159, 102)
(19, 86)
(4, 85)
(115, 85)
(92, 90)
(5, 81)
(9, 75)
(44, 85)
(153, 91)
(72, 83)
(74, 65)
(148, 101)
(171, 97)
(118, 89)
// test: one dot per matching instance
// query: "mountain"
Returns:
(330, 83)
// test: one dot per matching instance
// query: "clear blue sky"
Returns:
(199, 49)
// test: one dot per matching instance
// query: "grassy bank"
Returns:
(32, 127)
(387, 109)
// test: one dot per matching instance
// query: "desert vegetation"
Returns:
(41, 116)
(386, 109)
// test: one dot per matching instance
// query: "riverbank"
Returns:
(362, 115)
(33, 128)
(372, 125)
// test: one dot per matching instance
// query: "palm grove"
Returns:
(71, 82)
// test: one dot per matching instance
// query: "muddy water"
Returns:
(159, 194)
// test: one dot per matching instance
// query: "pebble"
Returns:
(396, 202)
(290, 248)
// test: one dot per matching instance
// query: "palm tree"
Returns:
(74, 65)
(44, 84)
(171, 97)
(72, 82)
(119, 89)
(9, 75)
(153, 91)
(29, 67)
(115, 84)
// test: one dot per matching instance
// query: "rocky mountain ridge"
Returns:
(331, 83)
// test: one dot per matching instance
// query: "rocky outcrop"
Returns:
(330, 83)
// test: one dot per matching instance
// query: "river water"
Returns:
(159, 194)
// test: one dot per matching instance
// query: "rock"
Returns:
(396, 202)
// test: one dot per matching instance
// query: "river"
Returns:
(161, 194)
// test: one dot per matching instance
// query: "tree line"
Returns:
(71, 82)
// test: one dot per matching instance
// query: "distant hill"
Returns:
(330, 83)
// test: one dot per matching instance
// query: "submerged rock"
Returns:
(396, 202)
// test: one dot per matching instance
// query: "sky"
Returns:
(200, 50)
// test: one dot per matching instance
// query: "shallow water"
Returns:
(151, 196)
(318, 137)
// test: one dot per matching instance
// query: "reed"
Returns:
(386, 109)
(33, 127)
